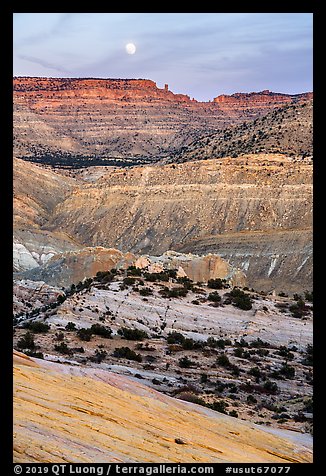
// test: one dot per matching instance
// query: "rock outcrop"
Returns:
(74, 266)
(121, 117)
(72, 414)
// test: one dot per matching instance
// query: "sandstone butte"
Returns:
(66, 414)
(123, 117)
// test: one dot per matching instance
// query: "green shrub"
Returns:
(219, 406)
(215, 297)
(216, 283)
(287, 371)
(223, 360)
(233, 413)
(26, 341)
(258, 343)
(308, 359)
(132, 334)
(186, 363)
(270, 387)
(128, 281)
(71, 326)
(285, 352)
(127, 353)
(175, 338)
(63, 348)
(174, 292)
(145, 291)
(37, 327)
(218, 343)
(61, 298)
(133, 271)
(84, 334)
(240, 299)
(309, 296)
(102, 331)
(98, 356)
(162, 276)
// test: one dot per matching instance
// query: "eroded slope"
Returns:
(96, 416)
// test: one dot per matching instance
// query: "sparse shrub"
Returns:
(287, 371)
(71, 326)
(37, 327)
(215, 297)
(127, 353)
(285, 352)
(145, 291)
(241, 299)
(190, 397)
(84, 334)
(216, 283)
(98, 356)
(270, 387)
(26, 341)
(308, 360)
(61, 298)
(102, 331)
(63, 348)
(186, 363)
(175, 338)
(132, 334)
(223, 360)
(133, 271)
(219, 406)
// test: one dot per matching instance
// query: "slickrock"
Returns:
(71, 414)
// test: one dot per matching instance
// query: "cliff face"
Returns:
(287, 130)
(36, 192)
(65, 413)
(148, 210)
(121, 117)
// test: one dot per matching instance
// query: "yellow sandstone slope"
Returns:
(70, 414)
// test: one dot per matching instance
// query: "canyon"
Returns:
(163, 271)
(261, 204)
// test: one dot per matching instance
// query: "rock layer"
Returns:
(93, 416)
(151, 209)
(122, 117)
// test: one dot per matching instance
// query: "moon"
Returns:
(130, 48)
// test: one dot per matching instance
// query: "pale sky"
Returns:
(199, 54)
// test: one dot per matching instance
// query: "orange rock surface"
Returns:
(69, 414)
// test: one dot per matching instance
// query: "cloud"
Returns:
(45, 64)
